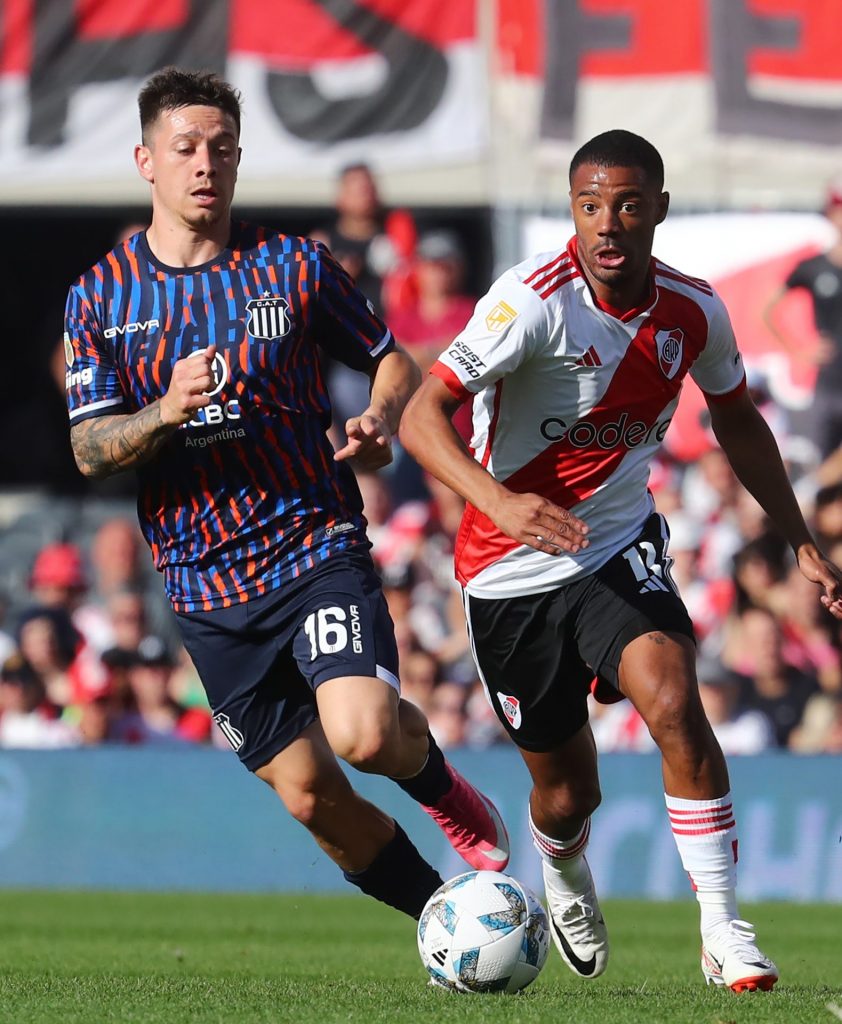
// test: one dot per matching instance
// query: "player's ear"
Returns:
(663, 207)
(143, 162)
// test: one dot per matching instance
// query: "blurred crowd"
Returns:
(90, 654)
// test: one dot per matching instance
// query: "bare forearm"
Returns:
(430, 438)
(109, 444)
(395, 381)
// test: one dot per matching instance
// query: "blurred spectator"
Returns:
(820, 730)
(352, 237)
(441, 309)
(27, 718)
(48, 642)
(377, 509)
(482, 726)
(59, 577)
(419, 676)
(707, 601)
(779, 690)
(7, 643)
(710, 486)
(809, 632)
(759, 568)
(828, 514)
(157, 717)
(116, 551)
(358, 229)
(821, 277)
(710, 493)
(127, 621)
(59, 581)
(738, 731)
(447, 714)
(619, 728)
(185, 684)
(95, 721)
(398, 579)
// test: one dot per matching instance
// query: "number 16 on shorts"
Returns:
(328, 630)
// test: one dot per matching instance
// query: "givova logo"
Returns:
(132, 328)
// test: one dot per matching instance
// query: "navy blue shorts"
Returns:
(261, 661)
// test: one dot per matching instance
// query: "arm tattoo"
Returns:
(108, 444)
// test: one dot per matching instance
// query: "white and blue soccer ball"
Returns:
(483, 932)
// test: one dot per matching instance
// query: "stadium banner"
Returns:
(742, 97)
(193, 819)
(324, 82)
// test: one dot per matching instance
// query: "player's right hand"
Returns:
(192, 379)
(538, 522)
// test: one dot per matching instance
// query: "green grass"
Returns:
(84, 957)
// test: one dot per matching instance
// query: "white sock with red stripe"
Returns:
(706, 836)
(567, 856)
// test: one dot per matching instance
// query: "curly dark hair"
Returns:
(172, 88)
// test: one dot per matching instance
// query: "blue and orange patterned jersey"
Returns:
(247, 495)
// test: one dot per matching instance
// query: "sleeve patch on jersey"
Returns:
(501, 315)
(68, 350)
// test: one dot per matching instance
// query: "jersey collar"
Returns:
(623, 316)
(228, 253)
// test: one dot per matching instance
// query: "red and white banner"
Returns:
(742, 97)
(324, 82)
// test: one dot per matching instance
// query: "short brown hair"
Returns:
(173, 88)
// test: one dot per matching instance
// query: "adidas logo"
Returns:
(590, 358)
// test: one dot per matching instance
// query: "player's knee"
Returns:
(303, 805)
(568, 803)
(366, 749)
(673, 714)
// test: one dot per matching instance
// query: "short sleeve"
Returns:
(92, 383)
(719, 369)
(508, 325)
(800, 275)
(344, 322)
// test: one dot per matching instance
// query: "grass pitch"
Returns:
(88, 958)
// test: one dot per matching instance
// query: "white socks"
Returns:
(706, 836)
(566, 856)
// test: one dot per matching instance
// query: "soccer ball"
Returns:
(483, 932)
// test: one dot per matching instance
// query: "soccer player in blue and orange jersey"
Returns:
(193, 357)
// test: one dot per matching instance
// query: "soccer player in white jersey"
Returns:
(574, 361)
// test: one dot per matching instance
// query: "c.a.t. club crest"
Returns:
(268, 317)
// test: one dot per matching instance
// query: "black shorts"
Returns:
(537, 655)
(261, 661)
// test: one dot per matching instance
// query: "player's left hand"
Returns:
(822, 571)
(369, 442)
